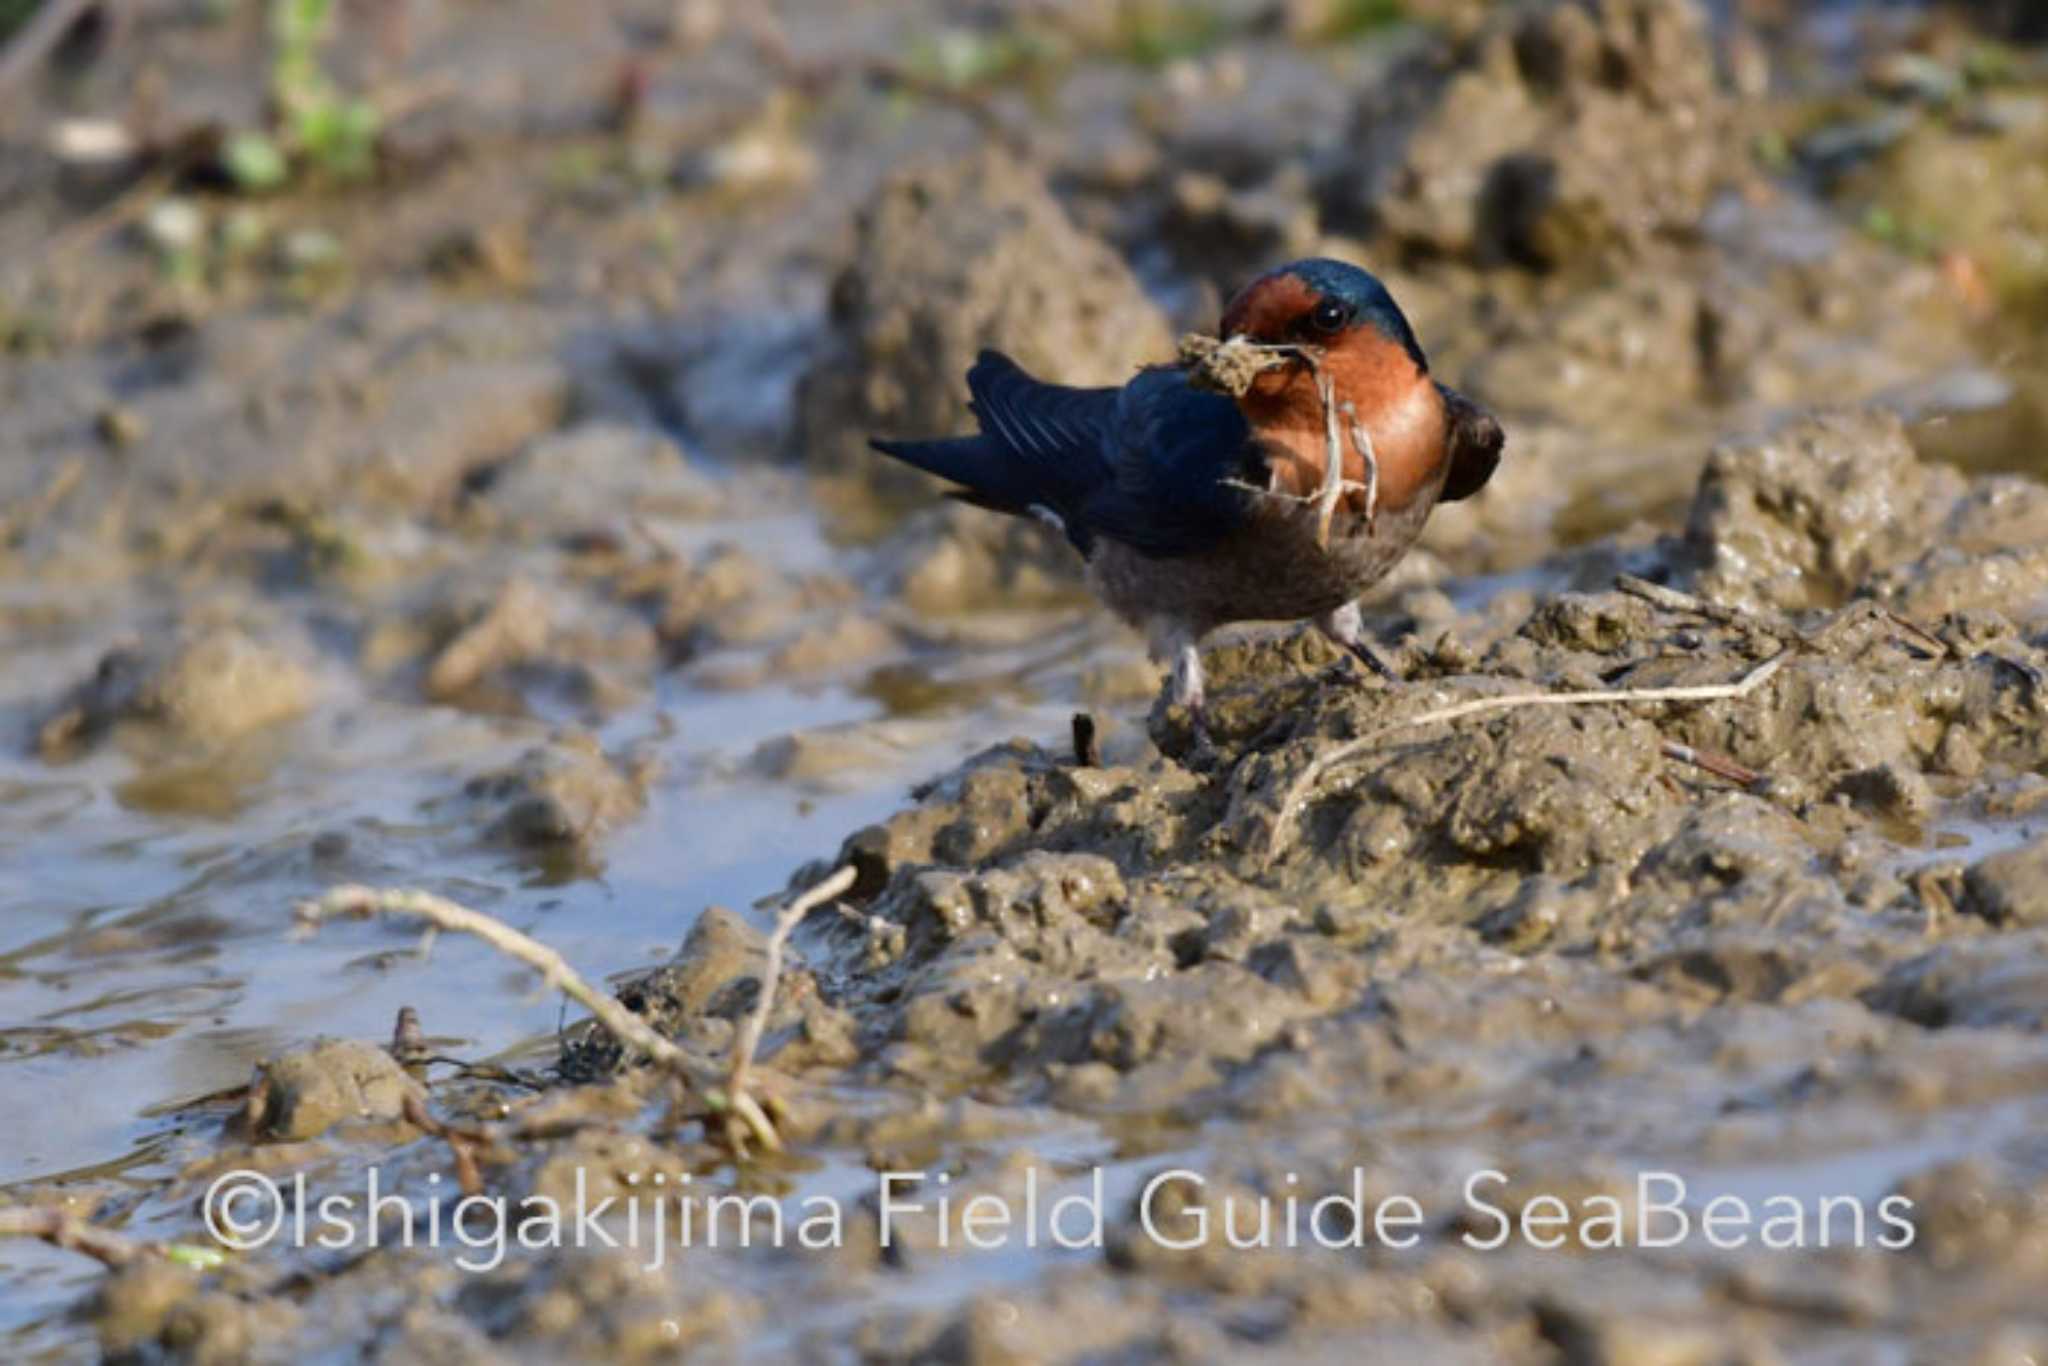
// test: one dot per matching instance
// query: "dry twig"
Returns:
(61, 1228)
(408, 1040)
(1773, 625)
(464, 1143)
(1362, 440)
(443, 914)
(1229, 366)
(1333, 453)
(1712, 761)
(1087, 741)
(632, 1031)
(1304, 786)
(1673, 600)
(756, 1023)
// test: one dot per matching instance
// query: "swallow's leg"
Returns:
(1188, 690)
(1175, 646)
(1347, 627)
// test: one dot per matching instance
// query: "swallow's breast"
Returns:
(1272, 567)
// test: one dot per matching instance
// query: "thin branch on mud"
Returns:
(1303, 787)
(1941, 648)
(409, 1046)
(443, 914)
(1712, 761)
(1087, 741)
(727, 1091)
(464, 1143)
(1674, 600)
(756, 1023)
(1770, 624)
(61, 1228)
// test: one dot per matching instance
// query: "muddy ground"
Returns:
(492, 515)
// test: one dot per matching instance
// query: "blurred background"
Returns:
(432, 432)
(1670, 215)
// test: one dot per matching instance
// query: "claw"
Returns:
(1345, 627)
(1370, 658)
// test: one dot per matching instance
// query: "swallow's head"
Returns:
(1375, 365)
(1328, 304)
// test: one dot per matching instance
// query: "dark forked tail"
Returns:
(1040, 449)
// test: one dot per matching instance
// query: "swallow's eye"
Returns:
(1329, 317)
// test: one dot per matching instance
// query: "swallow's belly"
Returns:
(1270, 569)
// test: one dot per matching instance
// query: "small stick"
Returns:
(441, 913)
(1362, 439)
(1087, 744)
(1720, 765)
(749, 1038)
(1333, 450)
(630, 1029)
(1913, 628)
(1349, 486)
(1673, 600)
(408, 1040)
(756, 1022)
(464, 1143)
(1302, 787)
(61, 1228)
(1231, 365)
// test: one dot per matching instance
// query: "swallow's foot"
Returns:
(1202, 754)
(1184, 734)
(1370, 658)
(1347, 629)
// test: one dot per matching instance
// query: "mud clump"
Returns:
(699, 996)
(208, 690)
(566, 795)
(1800, 519)
(591, 479)
(1570, 131)
(513, 629)
(972, 254)
(306, 1092)
(2011, 889)
(1149, 938)
(155, 1307)
(514, 647)
(1827, 510)
(953, 559)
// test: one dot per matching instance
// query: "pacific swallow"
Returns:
(1193, 509)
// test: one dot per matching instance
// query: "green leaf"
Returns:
(193, 1255)
(340, 135)
(254, 162)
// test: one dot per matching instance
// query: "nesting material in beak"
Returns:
(1230, 366)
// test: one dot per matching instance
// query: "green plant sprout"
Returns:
(317, 125)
